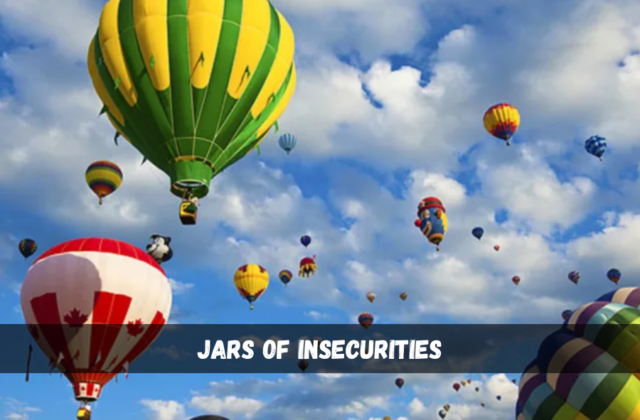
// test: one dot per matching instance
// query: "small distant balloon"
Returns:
(285, 276)
(566, 314)
(399, 382)
(308, 267)
(574, 277)
(477, 232)
(371, 297)
(27, 247)
(303, 365)
(446, 407)
(498, 397)
(496, 247)
(614, 275)
(477, 389)
(103, 178)
(463, 383)
(513, 380)
(516, 280)
(403, 296)
(456, 386)
(482, 404)
(305, 240)
(596, 146)
(502, 121)
(287, 142)
(366, 320)
(442, 414)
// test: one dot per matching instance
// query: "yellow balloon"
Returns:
(252, 281)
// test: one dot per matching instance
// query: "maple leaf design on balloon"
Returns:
(134, 329)
(75, 318)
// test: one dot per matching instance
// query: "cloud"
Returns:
(230, 406)
(316, 315)
(179, 288)
(164, 410)
(17, 410)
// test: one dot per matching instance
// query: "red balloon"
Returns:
(515, 280)
(497, 247)
(456, 386)
(94, 305)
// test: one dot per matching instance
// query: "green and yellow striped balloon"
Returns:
(590, 368)
(194, 85)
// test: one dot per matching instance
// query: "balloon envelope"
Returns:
(193, 85)
(287, 142)
(587, 368)
(596, 146)
(477, 232)
(94, 283)
(251, 281)
(502, 121)
(27, 247)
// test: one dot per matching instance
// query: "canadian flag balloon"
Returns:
(94, 305)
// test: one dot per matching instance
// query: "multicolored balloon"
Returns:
(568, 380)
(614, 275)
(502, 121)
(285, 276)
(463, 383)
(366, 320)
(27, 247)
(515, 280)
(305, 240)
(574, 277)
(399, 382)
(477, 232)
(287, 142)
(308, 267)
(566, 314)
(251, 281)
(446, 407)
(403, 296)
(104, 178)
(596, 146)
(371, 297)
(432, 220)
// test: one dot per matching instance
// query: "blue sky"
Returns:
(387, 110)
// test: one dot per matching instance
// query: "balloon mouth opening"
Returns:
(436, 238)
(190, 177)
(187, 184)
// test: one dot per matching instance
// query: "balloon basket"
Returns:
(187, 217)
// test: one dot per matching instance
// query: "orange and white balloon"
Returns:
(94, 305)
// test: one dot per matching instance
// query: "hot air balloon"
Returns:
(371, 297)
(446, 407)
(432, 220)
(574, 276)
(194, 86)
(596, 146)
(482, 404)
(463, 383)
(614, 275)
(27, 247)
(403, 296)
(477, 232)
(496, 248)
(456, 386)
(103, 177)
(502, 121)
(303, 365)
(442, 414)
(513, 380)
(88, 283)
(285, 276)
(399, 382)
(515, 280)
(251, 281)
(305, 240)
(287, 142)
(477, 389)
(587, 368)
(308, 267)
(566, 314)
(498, 397)
(366, 320)
(469, 381)
(386, 418)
